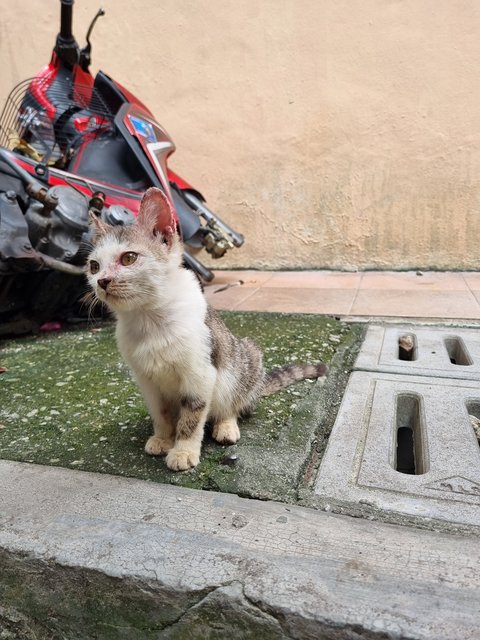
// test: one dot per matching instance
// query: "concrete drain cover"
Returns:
(406, 443)
(428, 351)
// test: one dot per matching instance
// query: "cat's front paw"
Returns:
(156, 446)
(226, 432)
(182, 459)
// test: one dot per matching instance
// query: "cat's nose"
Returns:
(104, 282)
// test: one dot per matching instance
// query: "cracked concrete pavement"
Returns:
(108, 557)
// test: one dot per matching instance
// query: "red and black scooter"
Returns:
(70, 143)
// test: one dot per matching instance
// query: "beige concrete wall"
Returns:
(333, 133)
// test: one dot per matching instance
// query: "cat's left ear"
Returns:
(157, 215)
(99, 227)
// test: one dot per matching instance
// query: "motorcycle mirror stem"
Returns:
(66, 46)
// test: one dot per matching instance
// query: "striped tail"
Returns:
(282, 377)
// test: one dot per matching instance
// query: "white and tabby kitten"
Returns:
(189, 367)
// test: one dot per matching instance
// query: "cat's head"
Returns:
(130, 266)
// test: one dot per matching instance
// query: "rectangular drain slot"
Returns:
(405, 443)
(457, 351)
(427, 351)
(407, 347)
(473, 409)
(409, 454)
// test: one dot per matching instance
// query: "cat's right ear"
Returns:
(157, 214)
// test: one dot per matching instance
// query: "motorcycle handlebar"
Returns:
(66, 12)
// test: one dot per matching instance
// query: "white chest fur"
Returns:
(170, 344)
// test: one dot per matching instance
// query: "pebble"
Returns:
(230, 460)
(239, 521)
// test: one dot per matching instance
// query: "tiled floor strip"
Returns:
(409, 294)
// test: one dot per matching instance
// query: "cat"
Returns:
(187, 364)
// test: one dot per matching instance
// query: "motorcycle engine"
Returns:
(44, 242)
(59, 233)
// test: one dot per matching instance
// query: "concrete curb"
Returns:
(219, 564)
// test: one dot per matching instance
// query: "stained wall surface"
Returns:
(333, 133)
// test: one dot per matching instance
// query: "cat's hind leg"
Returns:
(226, 431)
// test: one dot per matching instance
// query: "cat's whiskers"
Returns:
(129, 290)
(90, 301)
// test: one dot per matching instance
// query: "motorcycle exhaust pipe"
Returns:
(58, 265)
(20, 171)
(237, 238)
(34, 189)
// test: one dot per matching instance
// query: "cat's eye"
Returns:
(128, 258)
(94, 266)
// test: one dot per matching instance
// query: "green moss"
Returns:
(42, 600)
(67, 399)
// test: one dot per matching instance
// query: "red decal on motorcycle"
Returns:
(180, 182)
(42, 81)
(91, 126)
(133, 99)
(115, 194)
(82, 86)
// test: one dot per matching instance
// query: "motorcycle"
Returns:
(72, 145)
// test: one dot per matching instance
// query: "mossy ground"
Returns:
(67, 399)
